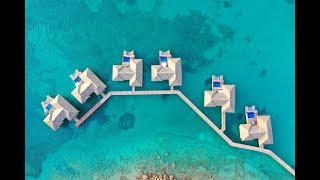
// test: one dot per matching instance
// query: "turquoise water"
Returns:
(250, 42)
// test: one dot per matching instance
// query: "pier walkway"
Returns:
(93, 109)
(223, 121)
(194, 108)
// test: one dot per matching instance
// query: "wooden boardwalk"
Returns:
(93, 109)
(223, 121)
(194, 108)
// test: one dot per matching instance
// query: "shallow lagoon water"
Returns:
(250, 42)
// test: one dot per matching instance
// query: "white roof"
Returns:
(244, 132)
(154, 73)
(261, 131)
(226, 99)
(208, 99)
(165, 73)
(55, 119)
(250, 132)
(229, 92)
(62, 109)
(175, 65)
(126, 73)
(172, 72)
(83, 92)
(71, 112)
(115, 73)
(91, 84)
(133, 72)
(264, 122)
(137, 66)
(99, 86)
(219, 99)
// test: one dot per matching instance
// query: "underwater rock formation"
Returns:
(226, 31)
(263, 73)
(248, 39)
(227, 3)
(126, 121)
(162, 176)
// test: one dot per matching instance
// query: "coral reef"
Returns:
(160, 176)
(226, 31)
(126, 121)
(263, 73)
(227, 3)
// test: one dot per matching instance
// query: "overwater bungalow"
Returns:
(168, 69)
(86, 83)
(131, 69)
(257, 127)
(221, 95)
(57, 110)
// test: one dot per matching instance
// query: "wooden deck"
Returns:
(194, 108)
(223, 121)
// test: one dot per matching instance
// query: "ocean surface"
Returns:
(250, 42)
